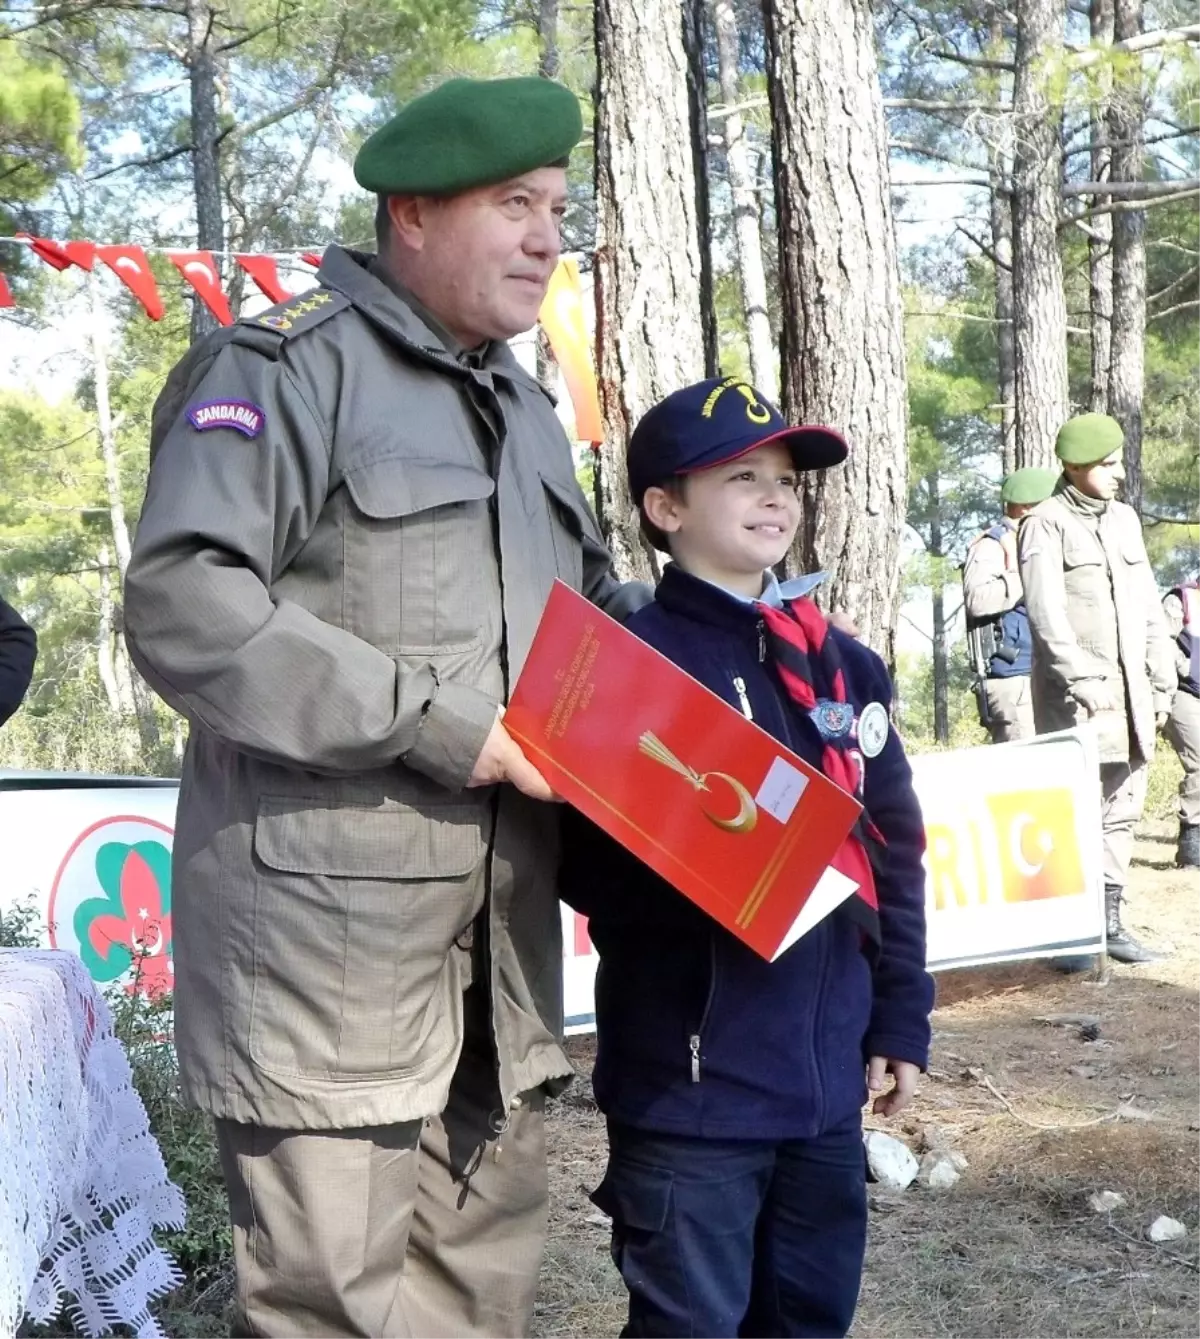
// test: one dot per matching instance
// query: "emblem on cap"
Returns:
(834, 720)
(240, 415)
(873, 728)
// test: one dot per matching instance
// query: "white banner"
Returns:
(1013, 864)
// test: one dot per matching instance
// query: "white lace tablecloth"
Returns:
(82, 1182)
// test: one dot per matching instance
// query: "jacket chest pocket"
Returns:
(419, 555)
(566, 530)
(1085, 572)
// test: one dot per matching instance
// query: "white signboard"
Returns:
(1013, 865)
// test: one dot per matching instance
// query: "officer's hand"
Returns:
(905, 1074)
(1095, 696)
(502, 760)
(1160, 720)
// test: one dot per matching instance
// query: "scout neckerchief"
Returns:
(810, 666)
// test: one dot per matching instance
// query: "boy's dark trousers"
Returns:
(737, 1237)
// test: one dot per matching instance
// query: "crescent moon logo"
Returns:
(1017, 846)
(203, 270)
(747, 815)
(127, 263)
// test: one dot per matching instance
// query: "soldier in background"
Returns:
(1101, 653)
(1182, 608)
(997, 625)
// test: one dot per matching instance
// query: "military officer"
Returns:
(357, 505)
(1182, 608)
(1100, 646)
(997, 625)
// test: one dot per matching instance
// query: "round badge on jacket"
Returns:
(873, 727)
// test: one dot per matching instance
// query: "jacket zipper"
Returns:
(739, 685)
(694, 1039)
(762, 641)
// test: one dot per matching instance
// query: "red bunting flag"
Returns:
(200, 270)
(265, 273)
(61, 256)
(312, 258)
(130, 265)
(6, 297)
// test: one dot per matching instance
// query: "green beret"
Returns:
(1028, 486)
(1088, 438)
(470, 132)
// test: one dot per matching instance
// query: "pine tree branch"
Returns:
(982, 247)
(1179, 132)
(153, 160)
(932, 105)
(1170, 311)
(908, 146)
(1182, 282)
(1081, 60)
(1125, 206)
(942, 181)
(1131, 190)
(976, 62)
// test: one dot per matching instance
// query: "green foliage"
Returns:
(185, 1136)
(39, 126)
(914, 695)
(19, 925)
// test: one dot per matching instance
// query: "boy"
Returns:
(733, 1087)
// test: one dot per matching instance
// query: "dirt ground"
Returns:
(1045, 1117)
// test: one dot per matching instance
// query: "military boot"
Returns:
(1121, 944)
(1187, 853)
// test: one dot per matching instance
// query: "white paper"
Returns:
(781, 790)
(833, 888)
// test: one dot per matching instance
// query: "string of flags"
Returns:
(131, 265)
(561, 316)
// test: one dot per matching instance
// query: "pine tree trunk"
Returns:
(206, 174)
(764, 362)
(1000, 217)
(547, 34)
(650, 327)
(135, 695)
(1100, 258)
(1039, 303)
(1127, 125)
(842, 344)
(104, 633)
(941, 673)
(1006, 372)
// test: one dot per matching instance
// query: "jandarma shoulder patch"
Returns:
(240, 415)
(302, 312)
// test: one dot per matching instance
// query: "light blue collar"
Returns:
(776, 592)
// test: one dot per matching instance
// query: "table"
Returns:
(82, 1181)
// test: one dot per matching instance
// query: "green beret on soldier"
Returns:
(1101, 651)
(358, 502)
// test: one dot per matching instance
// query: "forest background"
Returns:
(736, 201)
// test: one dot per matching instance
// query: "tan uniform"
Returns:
(349, 533)
(992, 587)
(1183, 727)
(1096, 619)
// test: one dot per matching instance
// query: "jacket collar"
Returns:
(681, 592)
(393, 310)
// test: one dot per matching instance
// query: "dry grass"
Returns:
(1013, 1249)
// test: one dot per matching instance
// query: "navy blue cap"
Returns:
(715, 421)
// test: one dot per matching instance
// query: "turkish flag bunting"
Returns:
(6, 297)
(62, 256)
(130, 265)
(312, 258)
(200, 270)
(265, 273)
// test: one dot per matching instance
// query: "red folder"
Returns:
(702, 795)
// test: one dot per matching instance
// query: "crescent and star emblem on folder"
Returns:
(746, 816)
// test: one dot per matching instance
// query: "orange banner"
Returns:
(562, 319)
